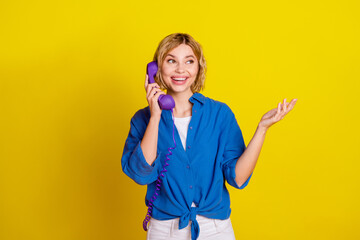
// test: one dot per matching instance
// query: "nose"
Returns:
(180, 67)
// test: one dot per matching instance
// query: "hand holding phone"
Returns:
(166, 102)
(153, 92)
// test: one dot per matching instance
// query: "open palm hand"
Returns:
(276, 114)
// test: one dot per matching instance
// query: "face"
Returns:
(179, 69)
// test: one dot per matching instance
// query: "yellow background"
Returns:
(72, 75)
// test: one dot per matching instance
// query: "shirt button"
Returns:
(189, 146)
(190, 127)
(194, 110)
(190, 187)
(187, 166)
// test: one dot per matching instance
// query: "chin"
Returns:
(179, 90)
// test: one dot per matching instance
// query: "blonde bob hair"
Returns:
(172, 41)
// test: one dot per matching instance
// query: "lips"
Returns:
(179, 80)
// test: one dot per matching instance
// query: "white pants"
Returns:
(210, 229)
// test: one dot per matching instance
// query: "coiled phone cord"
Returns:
(159, 181)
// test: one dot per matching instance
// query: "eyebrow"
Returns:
(175, 57)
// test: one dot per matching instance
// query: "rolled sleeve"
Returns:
(234, 148)
(133, 161)
(230, 177)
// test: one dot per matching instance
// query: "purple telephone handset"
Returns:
(166, 102)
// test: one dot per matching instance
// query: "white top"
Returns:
(182, 127)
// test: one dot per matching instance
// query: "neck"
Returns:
(183, 107)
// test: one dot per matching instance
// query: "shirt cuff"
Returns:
(231, 175)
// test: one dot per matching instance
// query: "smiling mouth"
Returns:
(179, 79)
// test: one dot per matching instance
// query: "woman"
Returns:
(192, 200)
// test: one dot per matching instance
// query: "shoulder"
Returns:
(141, 116)
(139, 121)
(218, 106)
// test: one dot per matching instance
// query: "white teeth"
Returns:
(179, 79)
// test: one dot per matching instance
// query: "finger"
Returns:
(278, 109)
(152, 92)
(150, 87)
(291, 104)
(146, 81)
(155, 99)
(283, 109)
(280, 113)
(157, 95)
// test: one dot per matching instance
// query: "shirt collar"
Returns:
(197, 96)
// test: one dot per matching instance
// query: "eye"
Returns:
(191, 61)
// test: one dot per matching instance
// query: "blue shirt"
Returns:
(214, 144)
